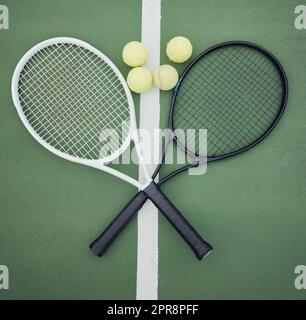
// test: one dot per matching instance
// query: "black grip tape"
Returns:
(199, 246)
(100, 245)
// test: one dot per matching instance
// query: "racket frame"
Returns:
(284, 80)
(198, 160)
(100, 245)
(98, 163)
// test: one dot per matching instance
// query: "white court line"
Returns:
(147, 250)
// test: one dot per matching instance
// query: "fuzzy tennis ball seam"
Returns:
(179, 49)
(134, 54)
(165, 77)
(139, 79)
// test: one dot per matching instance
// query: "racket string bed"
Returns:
(70, 97)
(77, 87)
(235, 93)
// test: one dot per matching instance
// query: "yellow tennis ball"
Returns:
(139, 79)
(165, 77)
(179, 49)
(134, 54)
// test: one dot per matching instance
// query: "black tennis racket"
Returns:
(238, 92)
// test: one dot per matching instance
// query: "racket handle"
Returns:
(100, 245)
(199, 246)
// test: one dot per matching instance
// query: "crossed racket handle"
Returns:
(199, 246)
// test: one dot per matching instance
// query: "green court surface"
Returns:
(252, 208)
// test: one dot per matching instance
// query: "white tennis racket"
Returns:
(67, 94)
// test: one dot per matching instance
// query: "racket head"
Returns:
(219, 88)
(48, 77)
